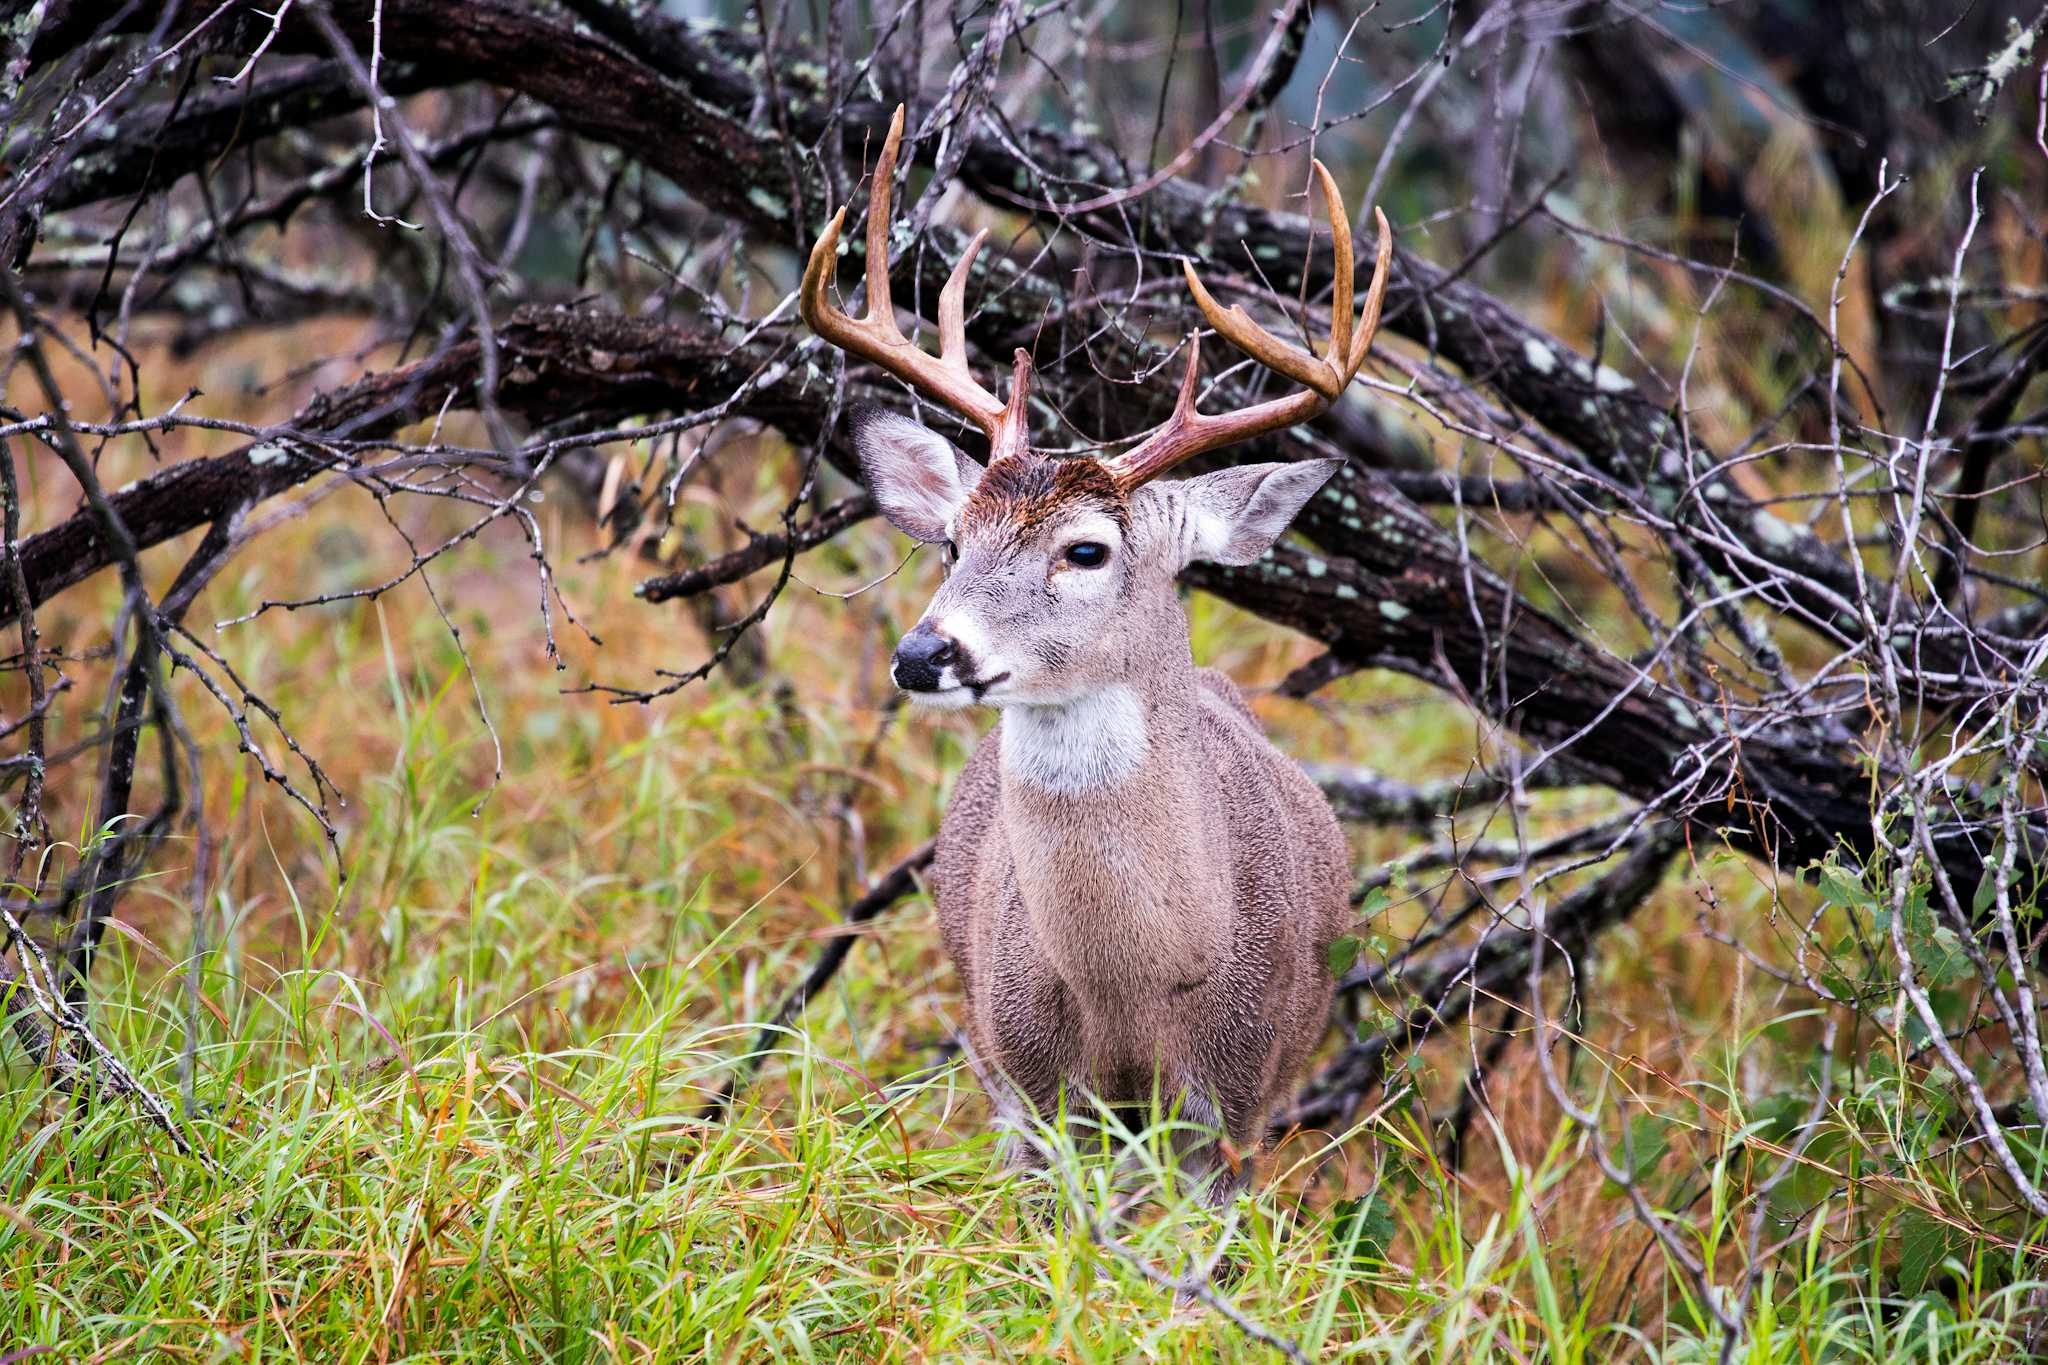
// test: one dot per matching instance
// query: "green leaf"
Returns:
(1649, 1138)
(1944, 958)
(1343, 952)
(1843, 891)
(1366, 1225)
(1923, 1244)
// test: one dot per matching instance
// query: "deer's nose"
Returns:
(920, 656)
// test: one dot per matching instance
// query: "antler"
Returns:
(945, 377)
(1188, 433)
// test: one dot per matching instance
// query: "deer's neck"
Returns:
(1114, 818)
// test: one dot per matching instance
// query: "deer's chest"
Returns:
(1106, 985)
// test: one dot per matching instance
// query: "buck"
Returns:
(1137, 889)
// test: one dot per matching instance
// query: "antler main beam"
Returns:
(1188, 433)
(944, 378)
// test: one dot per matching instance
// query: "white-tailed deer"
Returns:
(1138, 889)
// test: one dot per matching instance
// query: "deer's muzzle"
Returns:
(923, 657)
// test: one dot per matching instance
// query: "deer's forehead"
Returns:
(1022, 496)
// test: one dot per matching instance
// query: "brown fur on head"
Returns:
(1028, 492)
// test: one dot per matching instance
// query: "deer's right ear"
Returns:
(918, 478)
(1234, 515)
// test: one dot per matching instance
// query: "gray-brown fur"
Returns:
(1151, 921)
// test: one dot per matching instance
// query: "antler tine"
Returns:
(1375, 294)
(881, 204)
(953, 306)
(1340, 285)
(1013, 428)
(945, 378)
(1188, 433)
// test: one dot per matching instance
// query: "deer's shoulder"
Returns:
(1219, 685)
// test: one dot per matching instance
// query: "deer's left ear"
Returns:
(1234, 515)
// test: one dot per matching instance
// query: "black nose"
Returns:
(919, 657)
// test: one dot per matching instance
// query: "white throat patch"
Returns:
(1094, 741)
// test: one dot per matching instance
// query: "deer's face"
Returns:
(1058, 576)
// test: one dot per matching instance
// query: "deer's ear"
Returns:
(1235, 515)
(919, 478)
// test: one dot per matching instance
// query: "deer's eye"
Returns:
(1088, 554)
